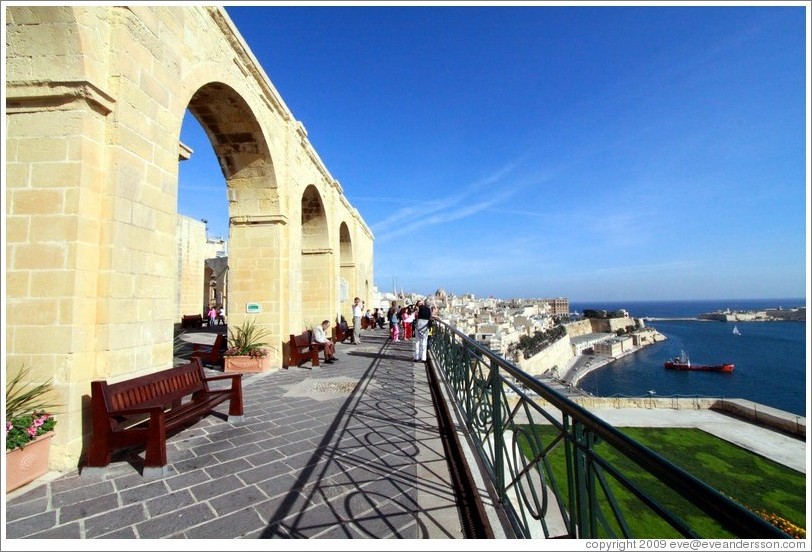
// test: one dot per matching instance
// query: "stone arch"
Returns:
(316, 259)
(346, 263)
(63, 31)
(246, 162)
(367, 290)
(238, 143)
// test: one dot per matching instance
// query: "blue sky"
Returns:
(599, 153)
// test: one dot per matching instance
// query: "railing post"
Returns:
(580, 476)
(498, 430)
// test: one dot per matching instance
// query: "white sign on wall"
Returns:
(343, 290)
(252, 308)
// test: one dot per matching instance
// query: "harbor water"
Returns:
(770, 357)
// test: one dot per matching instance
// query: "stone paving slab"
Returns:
(348, 450)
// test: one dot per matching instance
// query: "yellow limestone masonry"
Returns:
(95, 99)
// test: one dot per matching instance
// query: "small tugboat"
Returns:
(682, 362)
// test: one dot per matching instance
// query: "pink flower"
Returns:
(41, 420)
(32, 431)
(9, 425)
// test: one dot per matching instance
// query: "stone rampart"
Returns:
(557, 355)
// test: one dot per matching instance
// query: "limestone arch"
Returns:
(346, 262)
(316, 259)
(247, 165)
(367, 290)
(75, 36)
(238, 141)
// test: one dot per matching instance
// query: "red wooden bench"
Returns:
(341, 331)
(191, 321)
(301, 349)
(211, 354)
(144, 410)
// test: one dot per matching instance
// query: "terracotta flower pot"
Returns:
(246, 364)
(26, 464)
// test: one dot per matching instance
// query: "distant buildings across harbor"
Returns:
(776, 314)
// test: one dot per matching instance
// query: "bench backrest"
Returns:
(217, 347)
(302, 340)
(157, 388)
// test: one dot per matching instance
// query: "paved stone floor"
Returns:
(342, 451)
(348, 450)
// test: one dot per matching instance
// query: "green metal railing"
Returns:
(559, 471)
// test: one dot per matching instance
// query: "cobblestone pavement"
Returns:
(348, 450)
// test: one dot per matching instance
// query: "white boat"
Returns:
(736, 330)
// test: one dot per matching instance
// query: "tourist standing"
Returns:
(424, 315)
(212, 314)
(392, 315)
(408, 320)
(357, 313)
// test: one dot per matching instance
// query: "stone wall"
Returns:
(95, 100)
(610, 325)
(192, 252)
(558, 355)
(582, 327)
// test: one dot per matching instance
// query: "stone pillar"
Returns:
(54, 212)
(257, 274)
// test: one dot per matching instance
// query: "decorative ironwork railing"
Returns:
(559, 471)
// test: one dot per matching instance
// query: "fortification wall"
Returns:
(557, 356)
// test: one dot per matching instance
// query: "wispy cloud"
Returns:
(667, 267)
(447, 209)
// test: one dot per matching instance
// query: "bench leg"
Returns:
(99, 454)
(156, 442)
(235, 409)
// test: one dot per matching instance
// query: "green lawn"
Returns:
(753, 481)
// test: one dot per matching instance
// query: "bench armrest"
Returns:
(137, 410)
(226, 376)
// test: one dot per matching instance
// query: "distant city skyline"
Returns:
(598, 153)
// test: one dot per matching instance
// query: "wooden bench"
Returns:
(303, 349)
(211, 354)
(341, 332)
(191, 321)
(144, 410)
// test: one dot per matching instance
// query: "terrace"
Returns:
(370, 447)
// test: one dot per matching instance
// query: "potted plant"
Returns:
(247, 352)
(29, 429)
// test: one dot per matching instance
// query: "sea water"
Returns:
(770, 357)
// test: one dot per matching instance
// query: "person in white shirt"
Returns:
(357, 313)
(422, 326)
(321, 339)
